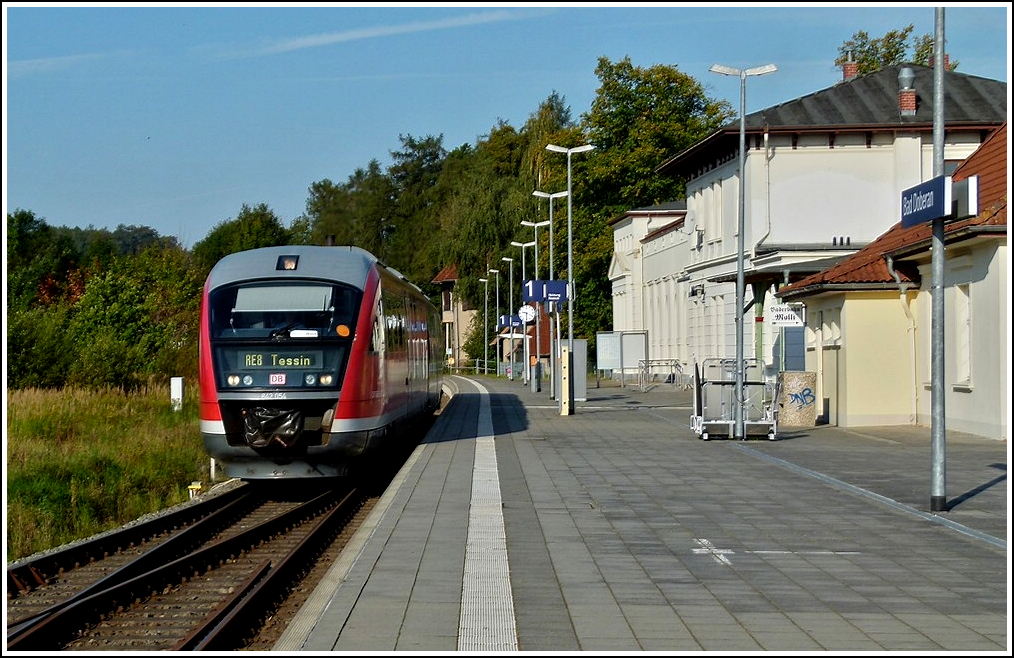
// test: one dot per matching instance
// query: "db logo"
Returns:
(276, 378)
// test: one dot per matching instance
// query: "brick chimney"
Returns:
(906, 92)
(947, 61)
(849, 69)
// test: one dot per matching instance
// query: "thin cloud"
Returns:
(20, 68)
(330, 38)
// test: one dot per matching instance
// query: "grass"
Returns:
(82, 462)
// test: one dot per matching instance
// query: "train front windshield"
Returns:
(282, 335)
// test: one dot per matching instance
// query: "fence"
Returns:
(655, 372)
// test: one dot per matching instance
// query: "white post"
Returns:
(176, 392)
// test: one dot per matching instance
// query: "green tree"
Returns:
(486, 192)
(408, 240)
(137, 320)
(40, 349)
(638, 119)
(40, 261)
(253, 227)
(356, 213)
(895, 47)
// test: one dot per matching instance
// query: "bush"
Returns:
(80, 462)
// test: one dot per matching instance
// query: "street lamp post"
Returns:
(740, 426)
(485, 327)
(539, 305)
(510, 313)
(554, 350)
(497, 273)
(570, 269)
(524, 349)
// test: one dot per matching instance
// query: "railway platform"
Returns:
(513, 528)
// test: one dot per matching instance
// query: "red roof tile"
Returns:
(449, 273)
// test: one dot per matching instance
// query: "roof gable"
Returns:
(618, 267)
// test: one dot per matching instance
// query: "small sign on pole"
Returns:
(784, 315)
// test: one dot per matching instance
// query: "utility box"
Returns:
(797, 398)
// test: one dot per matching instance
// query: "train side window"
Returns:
(377, 338)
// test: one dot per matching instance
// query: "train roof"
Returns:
(347, 264)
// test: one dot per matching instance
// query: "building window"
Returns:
(962, 315)
(717, 211)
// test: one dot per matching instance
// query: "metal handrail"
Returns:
(671, 368)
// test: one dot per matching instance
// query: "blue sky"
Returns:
(174, 116)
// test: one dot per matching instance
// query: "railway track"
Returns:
(211, 576)
(225, 572)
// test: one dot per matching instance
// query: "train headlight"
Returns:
(233, 380)
(326, 380)
(247, 380)
(310, 379)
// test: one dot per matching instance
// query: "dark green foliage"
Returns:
(640, 118)
(253, 227)
(40, 349)
(40, 261)
(356, 213)
(895, 47)
(118, 319)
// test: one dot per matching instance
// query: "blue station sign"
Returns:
(538, 290)
(926, 201)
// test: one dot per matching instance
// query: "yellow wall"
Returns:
(878, 361)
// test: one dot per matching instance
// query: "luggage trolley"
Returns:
(715, 399)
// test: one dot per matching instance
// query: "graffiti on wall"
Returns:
(803, 398)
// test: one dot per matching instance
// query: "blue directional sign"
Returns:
(532, 291)
(537, 290)
(509, 321)
(556, 291)
(926, 201)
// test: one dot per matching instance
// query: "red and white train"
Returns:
(311, 358)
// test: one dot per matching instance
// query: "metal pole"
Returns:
(524, 327)
(485, 327)
(570, 273)
(554, 345)
(570, 267)
(551, 307)
(740, 430)
(497, 272)
(538, 318)
(938, 492)
(740, 403)
(510, 314)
